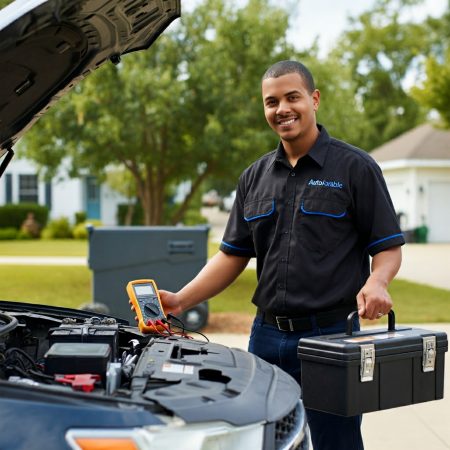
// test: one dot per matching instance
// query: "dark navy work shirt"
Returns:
(312, 226)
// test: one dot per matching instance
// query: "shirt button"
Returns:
(280, 285)
(283, 259)
(292, 174)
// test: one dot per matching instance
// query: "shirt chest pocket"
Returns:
(260, 214)
(322, 223)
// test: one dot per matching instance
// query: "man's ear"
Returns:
(316, 99)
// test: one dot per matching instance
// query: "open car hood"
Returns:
(48, 46)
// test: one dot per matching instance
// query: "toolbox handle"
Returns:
(391, 321)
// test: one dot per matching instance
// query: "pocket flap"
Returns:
(257, 209)
(322, 207)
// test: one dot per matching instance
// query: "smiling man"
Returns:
(311, 212)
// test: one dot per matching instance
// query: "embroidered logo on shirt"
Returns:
(326, 183)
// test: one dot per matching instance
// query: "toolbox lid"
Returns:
(346, 347)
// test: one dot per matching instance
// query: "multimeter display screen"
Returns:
(144, 289)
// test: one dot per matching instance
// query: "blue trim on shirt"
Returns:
(385, 239)
(249, 219)
(317, 213)
(236, 248)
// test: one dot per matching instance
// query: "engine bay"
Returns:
(99, 358)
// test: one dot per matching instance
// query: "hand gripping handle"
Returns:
(391, 321)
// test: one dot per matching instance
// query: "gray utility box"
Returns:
(171, 256)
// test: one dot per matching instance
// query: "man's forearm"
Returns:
(373, 299)
(220, 271)
(386, 264)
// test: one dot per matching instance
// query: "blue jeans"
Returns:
(328, 431)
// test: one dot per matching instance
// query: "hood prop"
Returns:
(8, 156)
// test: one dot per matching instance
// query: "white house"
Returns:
(63, 196)
(416, 166)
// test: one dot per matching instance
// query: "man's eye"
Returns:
(271, 103)
(293, 98)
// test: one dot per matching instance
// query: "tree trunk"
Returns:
(129, 215)
(181, 211)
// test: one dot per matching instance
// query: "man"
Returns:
(311, 212)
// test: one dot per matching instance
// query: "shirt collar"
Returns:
(317, 153)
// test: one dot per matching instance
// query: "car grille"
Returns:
(291, 431)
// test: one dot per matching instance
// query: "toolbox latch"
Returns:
(429, 353)
(367, 362)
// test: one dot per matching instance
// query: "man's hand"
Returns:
(170, 303)
(373, 300)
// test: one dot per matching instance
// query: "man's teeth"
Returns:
(287, 122)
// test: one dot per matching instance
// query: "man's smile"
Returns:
(288, 121)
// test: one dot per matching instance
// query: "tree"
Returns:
(380, 49)
(434, 93)
(187, 109)
(435, 90)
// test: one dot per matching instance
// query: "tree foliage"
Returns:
(190, 107)
(380, 49)
(187, 109)
(434, 92)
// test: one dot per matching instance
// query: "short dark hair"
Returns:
(284, 67)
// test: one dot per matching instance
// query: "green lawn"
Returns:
(71, 285)
(43, 247)
(51, 285)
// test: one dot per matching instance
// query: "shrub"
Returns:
(80, 231)
(24, 235)
(57, 229)
(80, 217)
(13, 215)
(7, 234)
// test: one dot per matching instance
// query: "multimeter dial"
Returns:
(152, 309)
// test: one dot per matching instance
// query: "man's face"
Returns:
(289, 107)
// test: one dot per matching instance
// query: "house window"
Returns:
(28, 189)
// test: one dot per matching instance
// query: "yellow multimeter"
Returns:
(145, 301)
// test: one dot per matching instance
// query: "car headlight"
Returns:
(202, 436)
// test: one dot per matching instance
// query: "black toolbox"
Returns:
(371, 370)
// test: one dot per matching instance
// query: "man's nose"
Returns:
(283, 107)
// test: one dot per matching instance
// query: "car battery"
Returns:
(357, 372)
(92, 332)
(77, 358)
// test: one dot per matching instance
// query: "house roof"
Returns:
(422, 142)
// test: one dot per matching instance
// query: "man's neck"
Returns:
(300, 147)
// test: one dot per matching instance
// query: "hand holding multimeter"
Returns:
(145, 301)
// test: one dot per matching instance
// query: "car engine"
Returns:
(96, 358)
